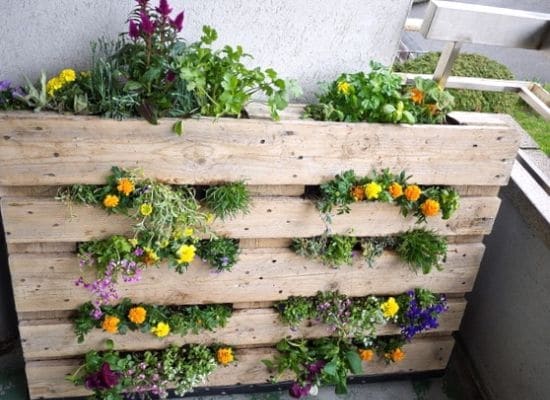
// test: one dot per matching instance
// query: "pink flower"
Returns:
(133, 30)
(164, 8)
(177, 23)
(147, 25)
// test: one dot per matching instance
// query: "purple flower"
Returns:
(170, 76)
(138, 252)
(177, 23)
(164, 8)
(133, 30)
(142, 3)
(4, 85)
(105, 378)
(18, 92)
(298, 391)
(316, 367)
(147, 25)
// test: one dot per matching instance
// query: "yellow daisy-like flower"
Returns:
(366, 354)
(146, 209)
(396, 190)
(111, 201)
(344, 87)
(161, 330)
(188, 232)
(67, 75)
(430, 207)
(150, 256)
(412, 192)
(395, 355)
(54, 85)
(125, 186)
(209, 218)
(133, 242)
(224, 355)
(137, 315)
(372, 190)
(389, 307)
(186, 253)
(110, 324)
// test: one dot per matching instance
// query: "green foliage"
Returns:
(472, 65)
(181, 319)
(295, 309)
(338, 193)
(226, 201)
(533, 124)
(335, 250)
(220, 253)
(222, 84)
(380, 96)
(35, 97)
(422, 249)
(135, 373)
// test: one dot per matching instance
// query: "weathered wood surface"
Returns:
(29, 220)
(46, 339)
(45, 282)
(46, 379)
(50, 149)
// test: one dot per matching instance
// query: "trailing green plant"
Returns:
(380, 96)
(422, 249)
(125, 316)
(227, 200)
(327, 361)
(113, 375)
(222, 84)
(422, 202)
(471, 65)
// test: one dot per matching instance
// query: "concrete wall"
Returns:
(308, 40)
(506, 328)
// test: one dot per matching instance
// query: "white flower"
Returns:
(314, 391)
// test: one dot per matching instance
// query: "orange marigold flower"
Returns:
(111, 201)
(137, 315)
(395, 355)
(224, 355)
(412, 192)
(433, 109)
(110, 324)
(358, 193)
(366, 354)
(396, 190)
(125, 186)
(430, 207)
(417, 95)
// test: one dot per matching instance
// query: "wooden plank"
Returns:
(264, 243)
(28, 220)
(46, 379)
(477, 191)
(41, 247)
(51, 149)
(55, 338)
(23, 191)
(276, 190)
(46, 282)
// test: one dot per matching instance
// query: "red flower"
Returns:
(177, 23)
(105, 378)
(164, 8)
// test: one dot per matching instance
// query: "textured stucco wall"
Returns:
(309, 40)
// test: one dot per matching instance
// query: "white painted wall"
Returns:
(309, 40)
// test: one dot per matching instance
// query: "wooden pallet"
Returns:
(39, 152)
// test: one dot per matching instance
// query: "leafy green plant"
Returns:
(295, 309)
(472, 65)
(143, 317)
(221, 253)
(34, 97)
(334, 250)
(226, 201)
(422, 249)
(221, 82)
(380, 96)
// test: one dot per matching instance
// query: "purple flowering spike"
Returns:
(164, 8)
(4, 85)
(147, 25)
(177, 23)
(133, 30)
(142, 3)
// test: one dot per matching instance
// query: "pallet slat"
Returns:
(45, 282)
(55, 338)
(28, 220)
(46, 378)
(50, 149)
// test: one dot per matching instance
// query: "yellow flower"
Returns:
(137, 315)
(417, 95)
(186, 253)
(133, 242)
(150, 256)
(224, 355)
(357, 193)
(125, 186)
(110, 324)
(372, 190)
(396, 190)
(395, 355)
(54, 85)
(209, 218)
(85, 74)
(146, 209)
(161, 330)
(412, 192)
(389, 307)
(67, 75)
(429, 208)
(188, 232)
(366, 354)
(344, 87)
(111, 201)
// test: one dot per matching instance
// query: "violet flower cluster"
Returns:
(146, 378)
(417, 318)
(105, 378)
(310, 384)
(8, 93)
(148, 22)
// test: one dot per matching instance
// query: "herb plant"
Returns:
(334, 250)
(422, 249)
(226, 201)
(220, 253)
